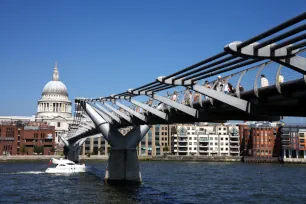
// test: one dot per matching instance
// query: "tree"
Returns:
(38, 149)
(166, 149)
(23, 149)
(52, 149)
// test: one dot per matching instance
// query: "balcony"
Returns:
(203, 145)
(235, 151)
(183, 145)
(47, 143)
(234, 146)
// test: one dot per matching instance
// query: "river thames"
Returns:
(163, 182)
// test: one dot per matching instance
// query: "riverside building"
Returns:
(259, 140)
(208, 140)
(149, 145)
(293, 139)
(17, 138)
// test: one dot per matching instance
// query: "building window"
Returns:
(195, 148)
(58, 124)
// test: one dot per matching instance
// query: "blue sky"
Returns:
(106, 47)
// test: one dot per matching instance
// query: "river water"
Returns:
(163, 182)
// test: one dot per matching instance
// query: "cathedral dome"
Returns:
(54, 101)
(55, 87)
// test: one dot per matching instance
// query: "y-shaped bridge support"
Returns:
(73, 150)
(123, 163)
(123, 166)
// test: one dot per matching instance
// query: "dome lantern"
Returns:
(55, 73)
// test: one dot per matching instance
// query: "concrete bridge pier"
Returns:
(123, 165)
(72, 150)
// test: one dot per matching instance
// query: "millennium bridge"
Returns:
(259, 79)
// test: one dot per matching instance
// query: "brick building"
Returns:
(259, 140)
(9, 139)
(19, 138)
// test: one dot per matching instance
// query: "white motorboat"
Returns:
(67, 166)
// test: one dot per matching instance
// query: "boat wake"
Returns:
(25, 172)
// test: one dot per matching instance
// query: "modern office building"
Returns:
(149, 145)
(293, 141)
(209, 140)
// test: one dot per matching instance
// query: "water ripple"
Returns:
(163, 182)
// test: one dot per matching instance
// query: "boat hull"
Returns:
(69, 169)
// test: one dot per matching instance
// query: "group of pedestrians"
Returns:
(220, 85)
(226, 87)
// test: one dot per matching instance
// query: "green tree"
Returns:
(23, 149)
(38, 149)
(166, 149)
(52, 149)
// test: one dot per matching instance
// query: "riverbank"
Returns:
(163, 158)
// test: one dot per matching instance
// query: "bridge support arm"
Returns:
(150, 109)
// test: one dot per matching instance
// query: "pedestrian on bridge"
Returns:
(220, 84)
(207, 85)
(264, 81)
(281, 78)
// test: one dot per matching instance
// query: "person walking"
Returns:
(264, 81)
(281, 78)
(220, 84)
(207, 85)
